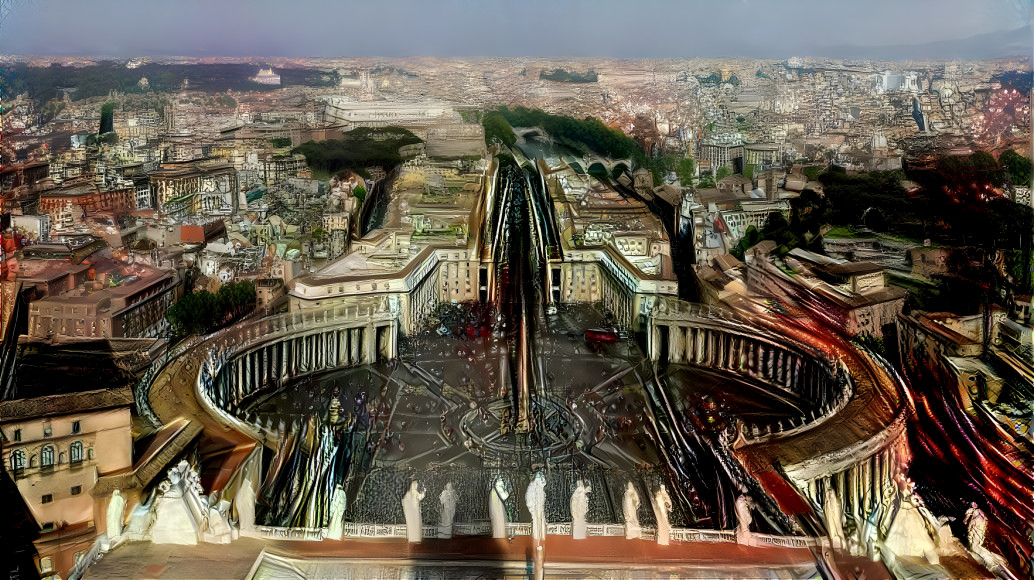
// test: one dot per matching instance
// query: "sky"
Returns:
(536, 28)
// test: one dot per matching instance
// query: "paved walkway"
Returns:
(489, 557)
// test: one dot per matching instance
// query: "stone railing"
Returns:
(706, 336)
(94, 554)
(841, 391)
(243, 360)
(516, 529)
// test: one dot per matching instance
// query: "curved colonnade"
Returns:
(212, 381)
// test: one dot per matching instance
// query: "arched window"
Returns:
(76, 451)
(18, 460)
(46, 456)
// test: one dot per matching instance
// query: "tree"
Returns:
(706, 180)
(1018, 167)
(235, 299)
(195, 313)
(107, 118)
(723, 172)
(686, 169)
(279, 142)
(359, 193)
(496, 127)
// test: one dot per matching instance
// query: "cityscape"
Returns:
(454, 312)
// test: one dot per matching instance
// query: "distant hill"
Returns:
(999, 44)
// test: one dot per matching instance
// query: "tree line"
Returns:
(357, 149)
(202, 312)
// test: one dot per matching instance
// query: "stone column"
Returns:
(370, 344)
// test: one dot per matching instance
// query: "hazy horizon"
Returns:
(881, 29)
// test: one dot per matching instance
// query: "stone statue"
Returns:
(630, 507)
(579, 509)
(743, 519)
(976, 519)
(497, 509)
(219, 531)
(179, 517)
(116, 511)
(535, 498)
(947, 543)
(834, 518)
(661, 506)
(335, 527)
(411, 507)
(448, 513)
(245, 504)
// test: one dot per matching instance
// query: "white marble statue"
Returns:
(335, 527)
(497, 509)
(178, 515)
(219, 530)
(630, 506)
(743, 519)
(535, 498)
(661, 506)
(834, 518)
(141, 519)
(579, 509)
(245, 506)
(947, 543)
(411, 507)
(116, 512)
(448, 499)
(976, 520)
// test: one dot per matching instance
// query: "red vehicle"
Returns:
(600, 335)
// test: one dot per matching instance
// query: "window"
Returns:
(76, 451)
(46, 456)
(47, 498)
(18, 460)
(47, 431)
(45, 564)
(75, 427)
(76, 489)
(17, 434)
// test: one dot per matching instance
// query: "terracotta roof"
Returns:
(52, 405)
(192, 234)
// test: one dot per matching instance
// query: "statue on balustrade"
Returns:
(535, 498)
(661, 507)
(448, 499)
(497, 508)
(335, 527)
(116, 511)
(743, 519)
(976, 520)
(411, 508)
(579, 510)
(630, 506)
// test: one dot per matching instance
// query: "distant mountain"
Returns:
(1001, 44)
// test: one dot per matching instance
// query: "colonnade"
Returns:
(753, 356)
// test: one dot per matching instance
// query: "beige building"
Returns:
(55, 448)
(107, 299)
